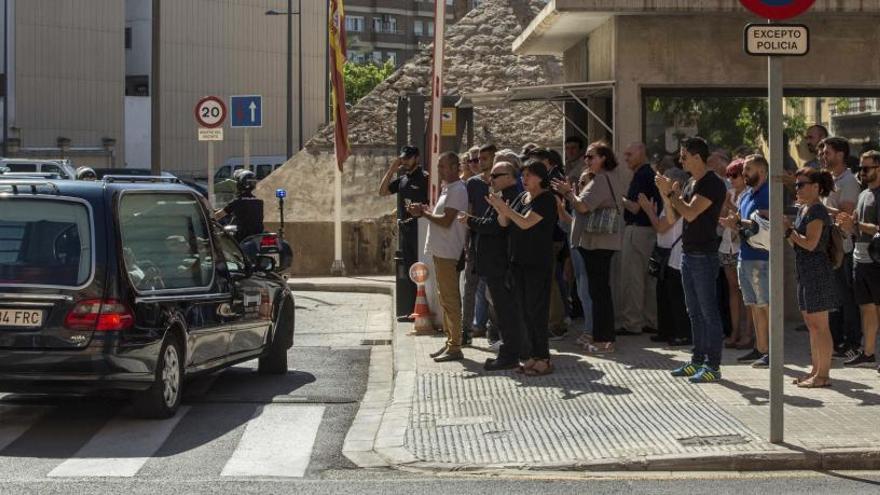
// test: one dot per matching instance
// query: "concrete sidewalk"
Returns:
(610, 412)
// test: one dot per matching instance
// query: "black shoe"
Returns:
(752, 356)
(840, 351)
(624, 332)
(449, 356)
(499, 365)
(439, 352)
(659, 338)
(466, 340)
(861, 360)
(680, 342)
(647, 329)
(405, 319)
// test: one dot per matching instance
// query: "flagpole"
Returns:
(338, 267)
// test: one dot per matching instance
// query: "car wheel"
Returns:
(162, 399)
(274, 361)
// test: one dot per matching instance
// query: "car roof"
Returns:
(94, 190)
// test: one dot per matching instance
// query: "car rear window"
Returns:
(165, 241)
(45, 242)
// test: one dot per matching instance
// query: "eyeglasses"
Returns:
(495, 176)
(473, 160)
(869, 167)
(802, 184)
(589, 157)
(733, 176)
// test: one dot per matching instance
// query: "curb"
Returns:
(379, 440)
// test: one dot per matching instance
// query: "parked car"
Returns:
(145, 172)
(63, 168)
(129, 285)
(261, 166)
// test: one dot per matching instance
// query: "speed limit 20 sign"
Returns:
(210, 112)
(778, 9)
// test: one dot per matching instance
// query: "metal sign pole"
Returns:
(247, 148)
(777, 267)
(211, 173)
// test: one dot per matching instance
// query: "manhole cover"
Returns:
(713, 440)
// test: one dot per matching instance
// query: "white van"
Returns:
(261, 166)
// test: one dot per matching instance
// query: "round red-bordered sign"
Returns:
(210, 112)
(778, 9)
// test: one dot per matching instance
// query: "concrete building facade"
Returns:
(79, 77)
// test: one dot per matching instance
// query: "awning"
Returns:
(555, 94)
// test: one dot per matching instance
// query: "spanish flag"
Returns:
(336, 31)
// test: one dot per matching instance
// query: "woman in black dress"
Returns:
(817, 293)
(531, 220)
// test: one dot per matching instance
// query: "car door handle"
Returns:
(225, 311)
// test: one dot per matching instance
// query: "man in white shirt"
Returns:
(445, 243)
(845, 322)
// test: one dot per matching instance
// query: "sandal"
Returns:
(599, 348)
(528, 365)
(541, 367)
(798, 381)
(815, 382)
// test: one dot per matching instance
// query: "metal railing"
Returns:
(856, 106)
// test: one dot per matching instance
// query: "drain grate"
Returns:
(376, 342)
(713, 440)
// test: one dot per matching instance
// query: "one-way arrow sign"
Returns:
(246, 110)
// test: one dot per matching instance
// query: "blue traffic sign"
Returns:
(247, 111)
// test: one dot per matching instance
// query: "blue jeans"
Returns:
(699, 273)
(583, 288)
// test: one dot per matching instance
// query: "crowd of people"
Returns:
(675, 246)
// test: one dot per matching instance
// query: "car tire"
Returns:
(274, 361)
(162, 399)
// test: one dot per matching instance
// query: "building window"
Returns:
(354, 23)
(385, 24)
(449, 2)
(430, 28)
(418, 27)
(356, 57)
(392, 57)
(377, 57)
(128, 38)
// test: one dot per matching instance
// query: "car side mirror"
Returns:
(265, 264)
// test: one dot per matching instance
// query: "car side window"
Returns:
(235, 259)
(21, 167)
(165, 241)
(52, 169)
(263, 171)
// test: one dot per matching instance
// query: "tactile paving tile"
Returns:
(579, 413)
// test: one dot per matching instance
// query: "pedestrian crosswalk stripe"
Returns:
(120, 448)
(277, 441)
(15, 420)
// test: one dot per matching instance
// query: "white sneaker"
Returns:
(495, 346)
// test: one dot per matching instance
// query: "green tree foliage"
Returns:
(360, 79)
(729, 122)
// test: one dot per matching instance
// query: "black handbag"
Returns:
(659, 260)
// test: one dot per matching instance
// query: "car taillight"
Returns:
(106, 315)
(269, 241)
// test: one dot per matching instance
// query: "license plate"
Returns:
(26, 318)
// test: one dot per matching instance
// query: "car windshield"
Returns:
(44, 242)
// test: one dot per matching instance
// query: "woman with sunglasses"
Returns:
(597, 248)
(728, 253)
(817, 292)
(532, 218)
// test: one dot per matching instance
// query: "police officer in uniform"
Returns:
(411, 185)
(246, 209)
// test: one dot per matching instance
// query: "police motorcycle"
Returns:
(243, 219)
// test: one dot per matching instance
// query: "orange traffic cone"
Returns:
(422, 313)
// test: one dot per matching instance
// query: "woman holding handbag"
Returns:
(673, 323)
(598, 218)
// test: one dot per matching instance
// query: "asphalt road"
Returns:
(240, 432)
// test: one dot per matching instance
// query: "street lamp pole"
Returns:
(290, 13)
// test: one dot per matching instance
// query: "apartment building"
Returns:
(79, 82)
(383, 30)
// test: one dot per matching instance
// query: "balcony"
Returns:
(856, 106)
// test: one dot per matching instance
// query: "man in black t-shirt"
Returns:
(700, 205)
(411, 186)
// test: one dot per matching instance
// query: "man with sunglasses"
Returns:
(475, 306)
(844, 323)
(491, 260)
(411, 186)
(864, 224)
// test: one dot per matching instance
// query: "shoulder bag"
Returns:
(603, 220)
(659, 260)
